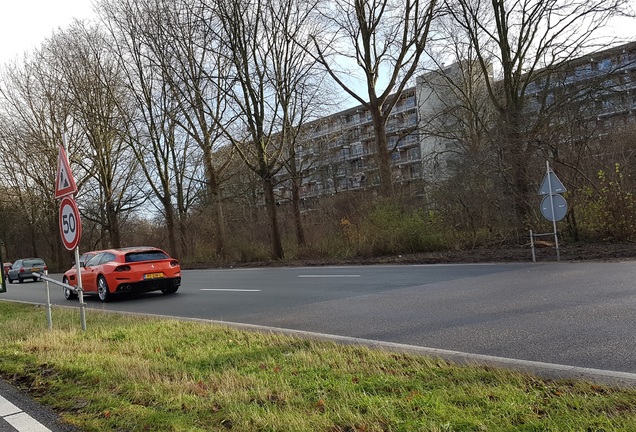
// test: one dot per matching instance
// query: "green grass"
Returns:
(130, 373)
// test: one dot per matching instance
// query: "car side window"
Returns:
(94, 260)
(84, 258)
(17, 264)
(106, 257)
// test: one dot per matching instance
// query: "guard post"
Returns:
(3, 286)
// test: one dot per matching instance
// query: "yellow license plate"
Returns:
(154, 276)
(35, 269)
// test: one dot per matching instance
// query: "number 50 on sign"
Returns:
(70, 223)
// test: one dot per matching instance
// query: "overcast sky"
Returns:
(25, 24)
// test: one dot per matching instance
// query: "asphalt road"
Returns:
(576, 314)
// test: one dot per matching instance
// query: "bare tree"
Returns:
(33, 116)
(273, 87)
(162, 149)
(199, 80)
(83, 59)
(385, 39)
(525, 41)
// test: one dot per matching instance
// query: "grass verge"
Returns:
(130, 373)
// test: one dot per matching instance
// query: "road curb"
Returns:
(541, 369)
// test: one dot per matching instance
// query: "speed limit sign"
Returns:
(70, 223)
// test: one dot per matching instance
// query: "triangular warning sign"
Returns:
(64, 181)
(551, 185)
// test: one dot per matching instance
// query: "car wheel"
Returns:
(20, 279)
(10, 280)
(170, 290)
(102, 289)
(68, 294)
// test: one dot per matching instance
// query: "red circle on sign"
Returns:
(70, 223)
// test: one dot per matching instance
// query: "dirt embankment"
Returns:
(544, 252)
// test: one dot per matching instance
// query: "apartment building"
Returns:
(601, 85)
(338, 153)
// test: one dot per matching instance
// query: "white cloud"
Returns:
(25, 24)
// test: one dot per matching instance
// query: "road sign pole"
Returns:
(70, 221)
(556, 237)
(80, 290)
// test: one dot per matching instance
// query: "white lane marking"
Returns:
(329, 276)
(7, 408)
(228, 289)
(20, 420)
(25, 423)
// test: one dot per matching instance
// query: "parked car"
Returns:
(24, 268)
(133, 269)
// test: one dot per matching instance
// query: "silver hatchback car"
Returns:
(23, 268)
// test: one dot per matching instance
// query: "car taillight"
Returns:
(22, 270)
(45, 268)
(174, 263)
(122, 268)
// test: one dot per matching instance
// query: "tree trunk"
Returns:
(383, 154)
(213, 195)
(296, 180)
(113, 225)
(518, 162)
(298, 221)
(270, 204)
(34, 247)
(171, 226)
(183, 236)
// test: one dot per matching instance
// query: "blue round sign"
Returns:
(559, 204)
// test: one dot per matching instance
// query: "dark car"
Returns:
(24, 268)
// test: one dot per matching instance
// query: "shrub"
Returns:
(610, 210)
(389, 228)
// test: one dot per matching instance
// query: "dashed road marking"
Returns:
(228, 289)
(20, 420)
(329, 276)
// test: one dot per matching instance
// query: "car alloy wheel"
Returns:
(68, 294)
(102, 289)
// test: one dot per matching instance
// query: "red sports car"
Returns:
(133, 269)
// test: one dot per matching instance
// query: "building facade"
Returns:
(433, 118)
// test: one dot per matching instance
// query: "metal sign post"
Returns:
(80, 290)
(553, 206)
(70, 222)
(556, 237)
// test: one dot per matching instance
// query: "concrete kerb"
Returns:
(540, 369)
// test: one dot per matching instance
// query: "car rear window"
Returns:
(33, 263)
(146, 256)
